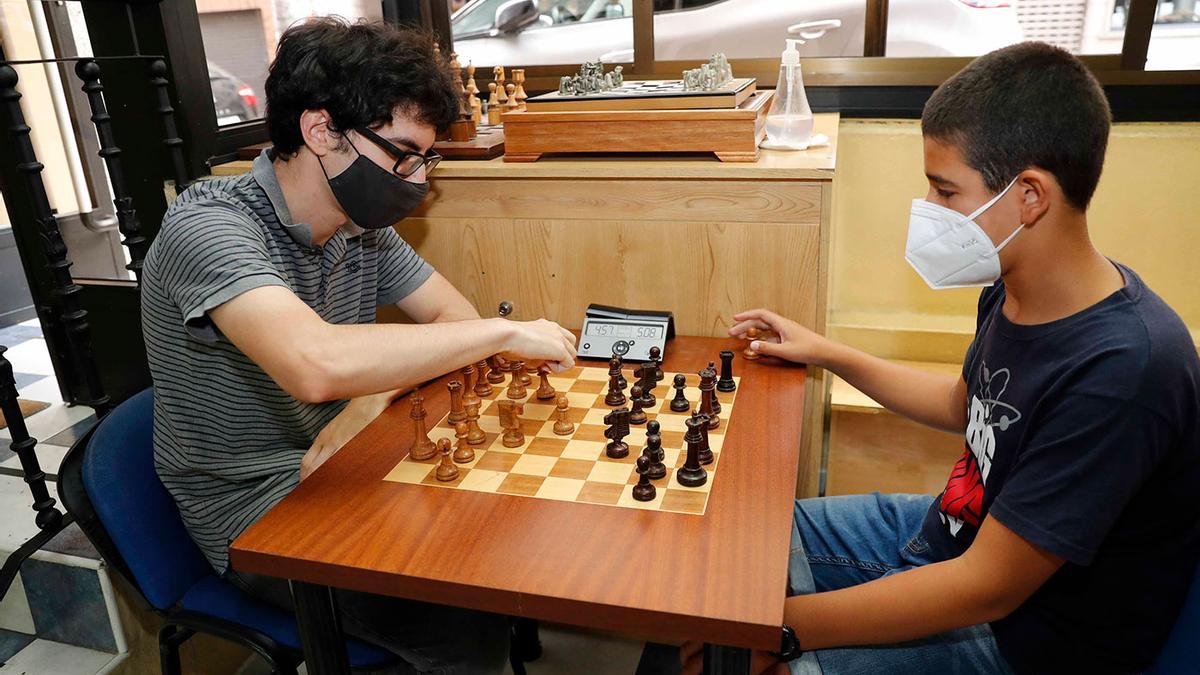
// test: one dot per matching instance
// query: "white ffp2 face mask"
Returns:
(950, 250)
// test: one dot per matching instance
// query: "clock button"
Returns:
(587, 345)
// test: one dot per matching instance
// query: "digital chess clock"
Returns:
(628, 333)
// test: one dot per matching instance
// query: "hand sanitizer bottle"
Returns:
(790, 120)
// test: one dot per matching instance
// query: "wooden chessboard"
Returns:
(575, 468)
(488, 143)
(648, 95)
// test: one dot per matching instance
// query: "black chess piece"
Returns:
(692, 474)
(637, 415)
(656, 360)
(716, 402)
(616, 386)
(645, 374)
(644, 491)
(705, 454)
(726, 383)
(654, 451)
(708, 383)
(680, 402)
(618, 428)
(620, 371)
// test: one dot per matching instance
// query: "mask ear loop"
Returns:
(322, 164)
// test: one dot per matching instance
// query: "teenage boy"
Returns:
(1068, 533)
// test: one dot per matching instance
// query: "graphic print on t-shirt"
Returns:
(962, 500)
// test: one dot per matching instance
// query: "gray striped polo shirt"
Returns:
(227, 439)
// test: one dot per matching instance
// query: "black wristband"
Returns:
(789, 646)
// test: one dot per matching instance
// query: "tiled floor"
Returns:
(57, 593)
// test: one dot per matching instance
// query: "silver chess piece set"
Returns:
(709, 76)
(591, 79)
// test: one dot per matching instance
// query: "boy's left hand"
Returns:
(691, 658)
(357, 414)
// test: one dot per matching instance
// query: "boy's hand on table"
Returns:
(791, 341)
(691, 659)
(357, 414)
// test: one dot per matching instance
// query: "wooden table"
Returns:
(720, 577)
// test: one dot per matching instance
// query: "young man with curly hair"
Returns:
(259, 298)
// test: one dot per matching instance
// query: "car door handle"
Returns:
(811, 30)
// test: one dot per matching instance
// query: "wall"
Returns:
(1144, 214)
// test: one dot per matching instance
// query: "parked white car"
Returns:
(489, 32)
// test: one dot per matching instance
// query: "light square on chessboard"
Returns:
(482, 480)
(562, 489)
(534, 465)
(581, 449)
(609, 472)
(409, 472)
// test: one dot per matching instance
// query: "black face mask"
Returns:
(372, 196)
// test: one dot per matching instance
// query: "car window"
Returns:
(475, 17)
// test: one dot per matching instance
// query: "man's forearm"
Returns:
(914, 604)
(919, 395)
(350, 361)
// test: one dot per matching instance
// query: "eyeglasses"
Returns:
(407, 163)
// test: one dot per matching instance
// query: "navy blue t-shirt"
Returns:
(1083, 439)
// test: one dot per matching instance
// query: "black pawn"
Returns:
(616, 384)
(637, 415)
(716, 403)
(654, 451)
(656, 360)
(680, 402)
(726, 383)
(644, 491)
(621, 373)
(692, 474)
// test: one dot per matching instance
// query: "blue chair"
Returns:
(1181, 654)
(108, 482)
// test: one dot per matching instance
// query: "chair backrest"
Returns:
(138, 519)
(1181, 654)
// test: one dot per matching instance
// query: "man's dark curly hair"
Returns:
(358, 72)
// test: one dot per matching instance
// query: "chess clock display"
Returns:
(628, 333)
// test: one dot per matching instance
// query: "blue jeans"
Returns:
(842, 541)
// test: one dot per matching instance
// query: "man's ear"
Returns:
(314, 128)
(1036, 189)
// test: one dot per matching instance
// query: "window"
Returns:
(692, 30)
(1175, 37)
(542, 32)
(239, 44)
(974, 27)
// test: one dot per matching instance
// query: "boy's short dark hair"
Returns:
(358, 72)
(1030, 104)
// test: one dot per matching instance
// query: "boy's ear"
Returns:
(1037, 189)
